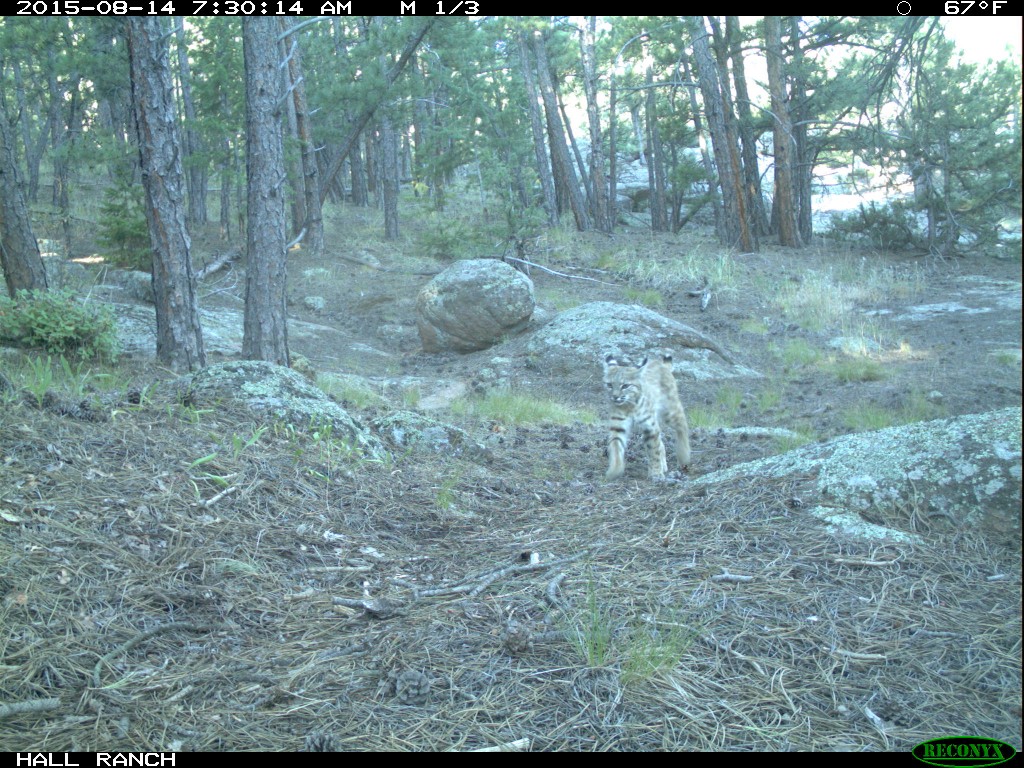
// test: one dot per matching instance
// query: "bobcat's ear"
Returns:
(609, 361)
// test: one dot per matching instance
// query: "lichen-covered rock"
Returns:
(137, 284)
(472, 305)
(578, 339)
(967, 469)
(278, 393)
(407, 429)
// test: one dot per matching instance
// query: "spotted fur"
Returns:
(644, 396)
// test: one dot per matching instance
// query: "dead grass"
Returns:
(280, 591)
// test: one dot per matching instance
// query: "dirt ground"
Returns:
(176, 578)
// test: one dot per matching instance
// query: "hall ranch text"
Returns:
(76, 760)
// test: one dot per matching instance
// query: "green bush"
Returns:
(55, 322)
(891, 226)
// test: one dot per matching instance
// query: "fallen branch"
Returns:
(219, 263)
(551, 593)
(21, 707)
(475, 587)
(529, 263)
(217, 497)
(127, 646)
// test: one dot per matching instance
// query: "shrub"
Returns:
(891, 226)
(55, 322)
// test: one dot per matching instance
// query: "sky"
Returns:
(986, 37)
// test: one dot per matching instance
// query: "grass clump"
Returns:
(351, 392)
(592, 631)
(914, 407)
(654, 650)
(797, 353)
(858, 369)
(509, 407)
(58, 324)
(648, 297)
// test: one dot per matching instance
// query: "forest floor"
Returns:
(176, 578)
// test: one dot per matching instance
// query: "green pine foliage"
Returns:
(57, 323)
(122, 225)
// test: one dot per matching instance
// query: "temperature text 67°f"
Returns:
(975, 7)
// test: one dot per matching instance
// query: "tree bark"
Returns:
(179, 336)
(389, 177)
(266, 332)
(726, 151)
(803, 160)
(785, 197)
(565, 176)
(547, 181)
(748, 137)
(19, 251)
(655, 160)
(599, 208)
(195, 164)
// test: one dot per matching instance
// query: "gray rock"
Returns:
(407, 429)
(276, 393)
(472, 305)
(138, 285)
(580, 338)
(966, 469)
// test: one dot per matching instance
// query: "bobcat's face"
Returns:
(623, 382)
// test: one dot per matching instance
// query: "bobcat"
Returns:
(643, 395)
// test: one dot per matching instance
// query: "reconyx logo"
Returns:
(960, 751)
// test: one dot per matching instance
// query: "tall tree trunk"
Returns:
(785, 197)
(748, 139)
(360, 187)
(705, 154)
(314, 221)
(389, 176)
(33, 148)
(721, 51)
(266, 330)
(565, 176)
(19, 251)
(734, 223)
(581, 165)
(655, 160)
(227, 171)
(547, 181)
(804, 157)
(599, 208)
(64, 140)
(179, 336)
(195, 163)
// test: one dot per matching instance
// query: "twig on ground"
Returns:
(127, 646)
(21, 707)
(529, 263)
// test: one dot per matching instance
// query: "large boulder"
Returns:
(578, 340)
(966, 470)
(472, 305)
